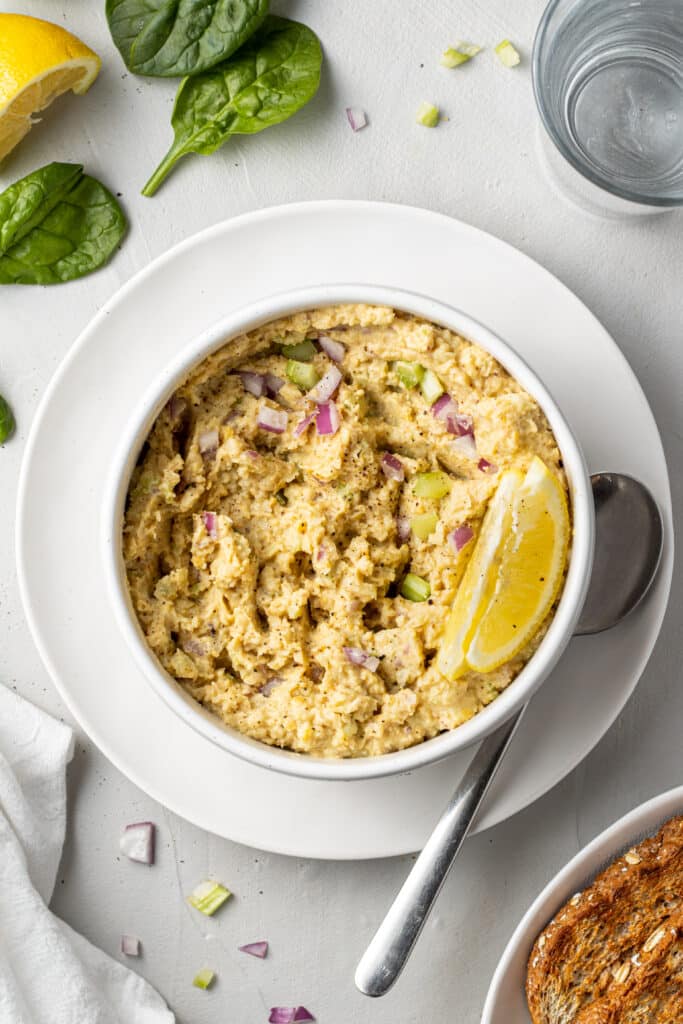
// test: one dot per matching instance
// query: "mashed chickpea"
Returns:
(267, 568)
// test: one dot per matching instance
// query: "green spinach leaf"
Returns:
(272, 77)
(181, 37)
(7, 423)
(56, 224)
(24, 204)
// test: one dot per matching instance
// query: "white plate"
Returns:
(104, 377)
(506, 1003)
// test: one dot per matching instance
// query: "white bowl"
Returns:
(534, 672)
(506, 1000)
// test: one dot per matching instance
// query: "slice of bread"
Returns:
(614, 953)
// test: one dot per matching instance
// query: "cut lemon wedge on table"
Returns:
(38, 62)
(513, 576)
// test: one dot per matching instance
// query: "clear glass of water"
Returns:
(608, 81)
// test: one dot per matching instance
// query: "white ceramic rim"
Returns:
(632, 828)
(429, 751)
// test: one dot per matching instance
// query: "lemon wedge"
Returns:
(479, 581)
(514, 575)
(38, 62)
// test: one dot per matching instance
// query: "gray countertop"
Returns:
(481, 166)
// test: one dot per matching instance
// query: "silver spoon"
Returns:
(628, 548)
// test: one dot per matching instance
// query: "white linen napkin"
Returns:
(48, 973)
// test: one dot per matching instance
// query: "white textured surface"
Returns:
(480, 166)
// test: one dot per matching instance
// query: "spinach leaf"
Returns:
(27, 202)
(56, 224)
(7, 423)
(181, 37)
(272, 77)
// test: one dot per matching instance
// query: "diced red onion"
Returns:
(487, 467)
(274, 420)
(444, 407)
(176, 407)
(403, 527)
(357, 118)
(271, 685)
(334, 349)
(272, 384)
(209, 520)
(208, 442)
(466, 446)
(460, 536)
(130, 945)
(461, 425)
(258, 949)
(302, 427)
(327, 420)
(282, 1015)
(137, 842)
(358, 657)
(289, 1015)
(251, 454)
(192, 646)
(326, 386)
(254, 383)
(392, 467)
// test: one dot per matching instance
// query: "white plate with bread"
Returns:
(604, 940)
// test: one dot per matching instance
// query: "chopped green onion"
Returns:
(431, 386)
(208, 897)
(432, 485)
(414, 588)
(459, 54)
(507, 54)
(409, 374)
(203, 979)
(424, 524)
(303, 351)
(303, 375)
(428, 115)
(281, 498)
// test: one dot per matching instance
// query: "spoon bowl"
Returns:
(628, 547)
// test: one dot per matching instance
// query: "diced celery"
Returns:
(459, 54)
(507, 54)
(281, 498)
(424, 524)
(208, 897)
(428, 115)
(303, 351)
(431, 386)
(431, 485)
(304, 375)
(415, 588)
(409, 374)
(203, 979)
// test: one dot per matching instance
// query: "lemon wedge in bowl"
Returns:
(514, 575)
(38, 62)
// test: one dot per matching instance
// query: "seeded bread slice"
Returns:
(614, 953)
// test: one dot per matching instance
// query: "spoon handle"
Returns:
(386, 956)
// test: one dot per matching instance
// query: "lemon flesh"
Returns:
(38, 62)
(479, 581)
(514, 576)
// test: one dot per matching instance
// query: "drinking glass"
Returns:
(608, 82)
